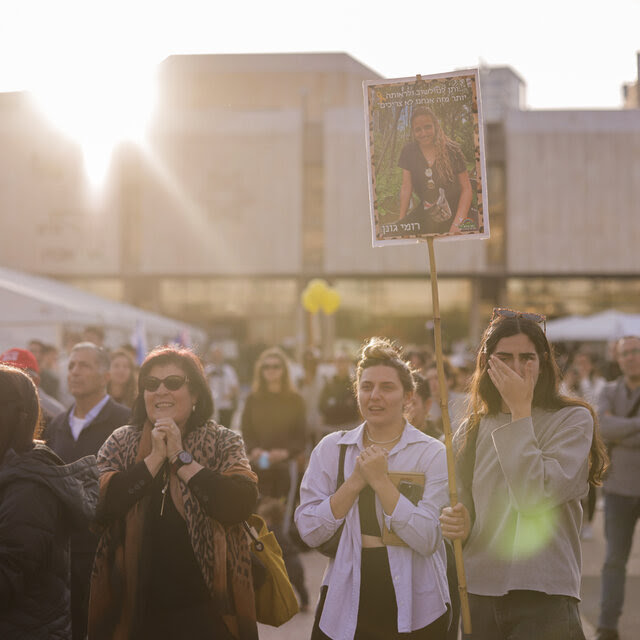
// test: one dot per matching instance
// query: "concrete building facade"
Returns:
(254, 180)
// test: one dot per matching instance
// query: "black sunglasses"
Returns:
(172, 383)
(502, 312)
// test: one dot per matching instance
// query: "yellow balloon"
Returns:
(330, 301)
(317, 288)
(309, 301)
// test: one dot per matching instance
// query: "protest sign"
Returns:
(426, 158)
(427, 181)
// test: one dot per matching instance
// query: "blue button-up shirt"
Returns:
(418, 570)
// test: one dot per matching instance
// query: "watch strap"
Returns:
(178, 460)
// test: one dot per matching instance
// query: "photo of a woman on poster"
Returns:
(434, 168)
(426, 168)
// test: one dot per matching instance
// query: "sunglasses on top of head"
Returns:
(172, 383)
(501, 312)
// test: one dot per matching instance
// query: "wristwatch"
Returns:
(180, 459)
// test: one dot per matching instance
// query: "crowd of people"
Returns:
(123, 487)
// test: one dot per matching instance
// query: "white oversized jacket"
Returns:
(418, 571)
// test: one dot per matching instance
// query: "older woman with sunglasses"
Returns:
(526, 455)
(273, 422)
(173, 561)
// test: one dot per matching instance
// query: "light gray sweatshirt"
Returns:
(528, 480)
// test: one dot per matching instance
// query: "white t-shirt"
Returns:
(77, 425)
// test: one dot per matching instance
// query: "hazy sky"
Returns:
(570, 53)
(81, 55)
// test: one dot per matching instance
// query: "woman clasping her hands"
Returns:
(173, 560)
(374, 589)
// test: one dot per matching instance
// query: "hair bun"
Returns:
(380, 349)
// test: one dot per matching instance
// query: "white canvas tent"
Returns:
(36, 307)
(600, 327)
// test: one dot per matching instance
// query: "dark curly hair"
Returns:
(192, 367)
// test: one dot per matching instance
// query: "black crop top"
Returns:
(367, 510)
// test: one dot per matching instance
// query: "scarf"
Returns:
(222, 552)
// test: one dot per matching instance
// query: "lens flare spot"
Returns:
(530, 534)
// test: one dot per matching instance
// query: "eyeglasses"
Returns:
(273, 367)
(172, 383)
(502, 312)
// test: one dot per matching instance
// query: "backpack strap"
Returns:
(466, 464)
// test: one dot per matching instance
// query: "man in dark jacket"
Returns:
(79, 432)
(41, 501)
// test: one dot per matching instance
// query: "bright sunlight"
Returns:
(90, 71)
(98, 106)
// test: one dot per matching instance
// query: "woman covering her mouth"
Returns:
(173, 560)
(526, 455)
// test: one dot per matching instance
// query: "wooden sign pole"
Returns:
(446, 427)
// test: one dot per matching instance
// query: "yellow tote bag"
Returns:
(276, 602)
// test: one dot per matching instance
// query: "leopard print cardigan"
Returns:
(222, 552)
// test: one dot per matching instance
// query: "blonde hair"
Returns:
(442, 143)
(259, 383)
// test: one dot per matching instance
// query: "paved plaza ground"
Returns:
(299, 628)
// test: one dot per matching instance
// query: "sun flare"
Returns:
(98, 108)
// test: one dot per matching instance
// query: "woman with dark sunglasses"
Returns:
(273, 423)
(173, 560)
(525, 457)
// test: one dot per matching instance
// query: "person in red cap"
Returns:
(25, 360)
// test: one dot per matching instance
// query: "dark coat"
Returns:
(59, 437)
(338, 403)
(41, 502)
(92, 437)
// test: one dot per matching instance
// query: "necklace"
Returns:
(428, 172)
(382, 441)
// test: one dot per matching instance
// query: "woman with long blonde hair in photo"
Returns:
(434, 168)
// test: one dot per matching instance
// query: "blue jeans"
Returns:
(620, 516)
(525, 615)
